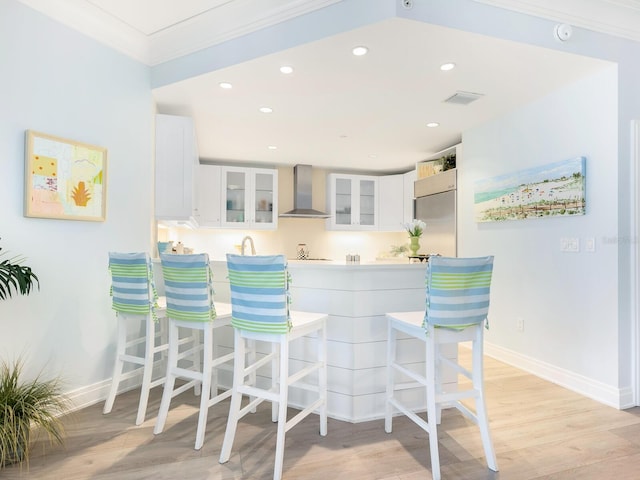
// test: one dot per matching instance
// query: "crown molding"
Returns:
(90, 20)
(620, 18)
(231, 20)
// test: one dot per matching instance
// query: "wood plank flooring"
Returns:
(539, 430)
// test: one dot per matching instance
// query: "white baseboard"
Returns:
(91, 394)
(606, 394)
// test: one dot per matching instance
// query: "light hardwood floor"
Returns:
(540, 431)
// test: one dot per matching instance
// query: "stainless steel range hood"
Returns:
(302, 190)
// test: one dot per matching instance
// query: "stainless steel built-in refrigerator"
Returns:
(436, 206)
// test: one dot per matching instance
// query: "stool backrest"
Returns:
(458, 290)
(188, 287)
(259, 293)
(132, 288)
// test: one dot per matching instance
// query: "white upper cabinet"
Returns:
(409, 180)
(395, 201)
(177, 163)
(249, 198)
(210, 197)
(352, 202)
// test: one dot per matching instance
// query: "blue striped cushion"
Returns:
(131, 283)
(188, 287)
(458, 290)
(259, 293)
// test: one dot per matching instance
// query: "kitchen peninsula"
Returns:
(356, 297)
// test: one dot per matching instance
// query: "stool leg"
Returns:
(172, 362)
(275, 352)
(391, 358)
(149, 355)
(481, 408)
(236, 397)
(282, 407)
(196, 358)
(322, 376)
(118, 364)
(432, 414)
(207, 361)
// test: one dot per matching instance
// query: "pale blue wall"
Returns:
(568, 301)
(57, 81)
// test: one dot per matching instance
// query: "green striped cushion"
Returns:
(259, 293)
(188, 287)
(458, 290)
(132, 288)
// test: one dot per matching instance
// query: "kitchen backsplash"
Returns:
(291, 231)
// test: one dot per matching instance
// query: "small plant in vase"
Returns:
(415, 229)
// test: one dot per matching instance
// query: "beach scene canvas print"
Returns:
(555, 189)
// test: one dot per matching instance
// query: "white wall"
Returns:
(569, 301)
(56, 81)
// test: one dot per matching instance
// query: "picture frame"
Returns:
(552, 190)
(64, 179)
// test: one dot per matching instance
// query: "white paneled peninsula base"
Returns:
(356, 297)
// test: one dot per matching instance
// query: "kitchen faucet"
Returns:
(253, 248)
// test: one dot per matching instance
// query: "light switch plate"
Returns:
(569, 244)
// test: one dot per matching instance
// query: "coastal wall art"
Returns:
(64, 179)
(555, 189)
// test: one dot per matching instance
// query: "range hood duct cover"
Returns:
(302, 190)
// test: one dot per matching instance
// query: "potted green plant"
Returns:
(14, 276)
(24, 405)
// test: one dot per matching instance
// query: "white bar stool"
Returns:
(135, 301)
(189, 292)
(259, 298)
(456, 311)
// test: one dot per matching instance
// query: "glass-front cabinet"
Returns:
(250, 198)
(352, 201)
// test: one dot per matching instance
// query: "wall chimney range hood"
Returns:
(302, 190)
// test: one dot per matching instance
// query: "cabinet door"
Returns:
(367, 202)
(176, 169)
(209, 195)
(352, 202)
(409, 197)
(391, 203)
(343, 201)
(250, 198)
(235, 190)
(264, 206)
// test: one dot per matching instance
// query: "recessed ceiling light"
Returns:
(373, 155)
(447, 66)
(272, 147)
(286, 69)
(266, 109)
(359, 51)
(225, 85)
(433, 124)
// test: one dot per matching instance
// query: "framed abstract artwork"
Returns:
(555, 189)
(64, 179)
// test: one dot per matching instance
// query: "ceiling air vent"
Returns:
(463, 98)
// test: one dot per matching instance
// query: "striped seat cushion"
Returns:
(458, 290)
(132, 288)
(188, 287)
(259, 293)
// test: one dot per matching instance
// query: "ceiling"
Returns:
(336, 110)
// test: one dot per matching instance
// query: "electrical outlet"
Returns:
(520, 324)
(589, 244)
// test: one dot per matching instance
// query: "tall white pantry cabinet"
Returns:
(177, 162)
